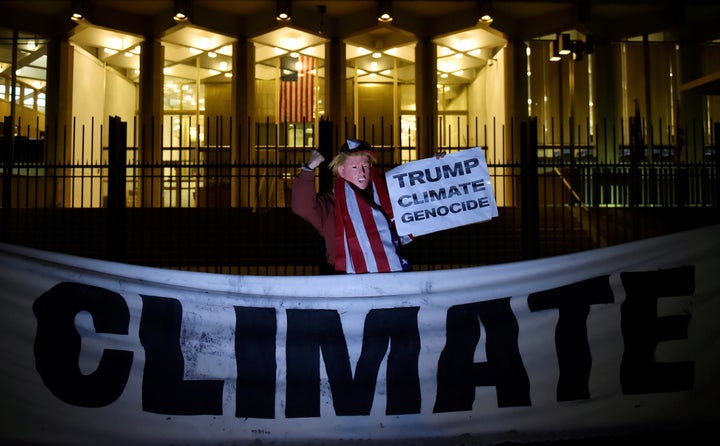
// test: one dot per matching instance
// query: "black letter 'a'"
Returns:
(58, 344)
(458, 375)
(397, 329)
(163, 388)
(642, 330)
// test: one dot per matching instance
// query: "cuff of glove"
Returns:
(306, 167)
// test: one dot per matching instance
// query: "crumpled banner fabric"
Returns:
(613, 341)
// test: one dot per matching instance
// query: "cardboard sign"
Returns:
(431, 194)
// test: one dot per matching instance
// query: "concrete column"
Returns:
(243, 106)
(336, 104)
(689, 118)
(150, 120)
(58, 116)
(426, 97)
(606, 100)
(516, 96)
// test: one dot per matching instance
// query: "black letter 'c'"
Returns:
(58, 344)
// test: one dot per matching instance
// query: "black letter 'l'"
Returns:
(163, 388)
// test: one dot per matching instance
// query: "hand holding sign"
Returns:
(434, 194)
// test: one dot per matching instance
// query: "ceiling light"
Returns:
(554, 53)
(485, 11)
(580, 48)
(181, 12)
(283, 11)
(564, 44)
(78, 12)
(384, 11)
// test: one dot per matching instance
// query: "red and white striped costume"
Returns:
(364, 238)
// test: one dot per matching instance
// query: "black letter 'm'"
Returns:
(312, 331)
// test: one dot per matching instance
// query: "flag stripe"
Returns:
(297, 95)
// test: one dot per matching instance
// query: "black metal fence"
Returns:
(209, 208)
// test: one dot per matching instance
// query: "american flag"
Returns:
(297, 88)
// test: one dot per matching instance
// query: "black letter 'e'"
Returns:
(643, 329)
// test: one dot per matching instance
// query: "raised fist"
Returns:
(315, 159)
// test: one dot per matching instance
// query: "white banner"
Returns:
(618, 340)
(431, 195)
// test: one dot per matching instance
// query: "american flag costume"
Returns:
(365, 239)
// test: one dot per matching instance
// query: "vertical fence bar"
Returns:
(115, 227)
(6, 150)
(529, 200)
(716, 156)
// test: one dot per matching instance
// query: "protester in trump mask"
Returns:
(356, 217)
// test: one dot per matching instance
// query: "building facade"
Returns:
(222, 100)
